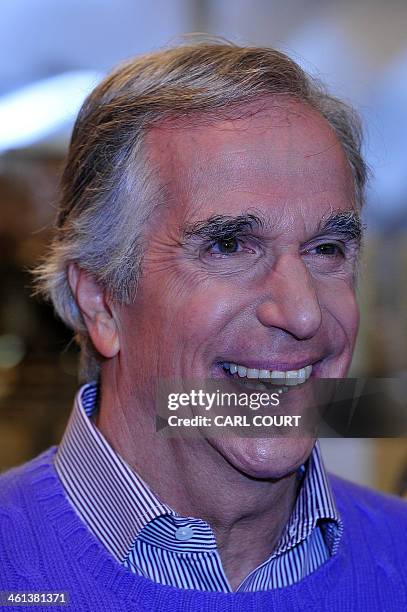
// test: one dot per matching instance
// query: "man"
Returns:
(208, 229)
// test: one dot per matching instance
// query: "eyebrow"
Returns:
(346, 224)
(222, 226)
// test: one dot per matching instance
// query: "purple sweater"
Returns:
(44, 546)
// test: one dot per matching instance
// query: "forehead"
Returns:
(280, 156)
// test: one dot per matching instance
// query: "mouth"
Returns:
(281, 380)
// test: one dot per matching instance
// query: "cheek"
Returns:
(342, 310)
(187, 317)
(205, 313)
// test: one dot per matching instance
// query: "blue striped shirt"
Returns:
(149, 538)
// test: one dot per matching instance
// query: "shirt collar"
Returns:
(315, 505)
(117, 504)
(112, 499)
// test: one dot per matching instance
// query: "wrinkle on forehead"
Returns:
(271, 150)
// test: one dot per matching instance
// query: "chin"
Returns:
(267, 458)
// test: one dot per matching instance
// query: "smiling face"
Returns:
(251, 262)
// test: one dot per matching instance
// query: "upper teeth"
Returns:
(289, 377)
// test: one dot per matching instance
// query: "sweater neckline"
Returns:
(96, 560)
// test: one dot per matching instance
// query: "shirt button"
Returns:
(184, 533)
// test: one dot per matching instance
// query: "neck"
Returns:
(246, 514)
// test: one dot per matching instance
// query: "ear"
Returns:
(96, 312)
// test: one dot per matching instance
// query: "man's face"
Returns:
(249, 262)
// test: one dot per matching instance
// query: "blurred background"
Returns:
(53, 53)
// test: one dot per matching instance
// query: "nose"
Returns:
(290, 302)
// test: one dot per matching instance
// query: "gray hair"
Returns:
(108, 187)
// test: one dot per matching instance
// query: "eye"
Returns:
(226, 246)
(328, 249)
